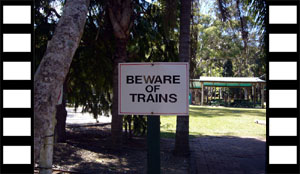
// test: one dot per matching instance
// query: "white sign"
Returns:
(159, 88)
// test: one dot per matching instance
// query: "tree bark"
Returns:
(117, 120)
(182, 127)
(46, 152)
(120, 17)
(54, 67)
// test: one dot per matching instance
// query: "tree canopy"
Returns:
(221, 32)
(218, 38)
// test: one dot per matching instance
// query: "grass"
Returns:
(219, 121)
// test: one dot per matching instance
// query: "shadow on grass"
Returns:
(214, 112)
(172, 135)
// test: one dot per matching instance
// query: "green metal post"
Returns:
(153, 143)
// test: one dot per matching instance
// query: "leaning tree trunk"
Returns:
(120, 17)
(54, 67)
(182, 127)
(46, 152)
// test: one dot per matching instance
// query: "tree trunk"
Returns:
(182, 127)
(117, 120)
(46, 152)
(120, 17)
(54, 67)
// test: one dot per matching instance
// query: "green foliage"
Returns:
(89, 78)
(258, 10)
(232, 33)
(216, 40)
(45, 22)
(227, 69)
(217, 102)
(135, 125)
(89, 82)
(170, 12)
(152, 39)
(242, 104)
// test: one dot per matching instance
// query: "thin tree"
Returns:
(120, 13)
(182, 126)
(54, 67)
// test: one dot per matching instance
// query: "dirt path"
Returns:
(87, 151)
(227, 155)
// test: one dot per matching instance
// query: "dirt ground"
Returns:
(87, 151)
(228, 155)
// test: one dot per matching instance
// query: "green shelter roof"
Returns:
(197, 85)
(229, 84)
(231, 79)
(225, 82)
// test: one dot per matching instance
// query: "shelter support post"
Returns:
(255, 93)
(211, 93)
(207, 94)
(229, 99)
(262, 96)
(252, 93)
(248, 95)
(258, 93)
(224, 94)
(215, 93)
(202, 93)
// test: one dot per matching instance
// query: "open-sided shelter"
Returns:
(246, 83)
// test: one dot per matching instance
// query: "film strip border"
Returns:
(17, 62)
(282, 43)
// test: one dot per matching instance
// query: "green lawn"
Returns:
(219, 121)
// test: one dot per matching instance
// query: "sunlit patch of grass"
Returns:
(219, 121)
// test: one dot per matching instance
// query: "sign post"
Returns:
(153, 144)
(153, 89)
